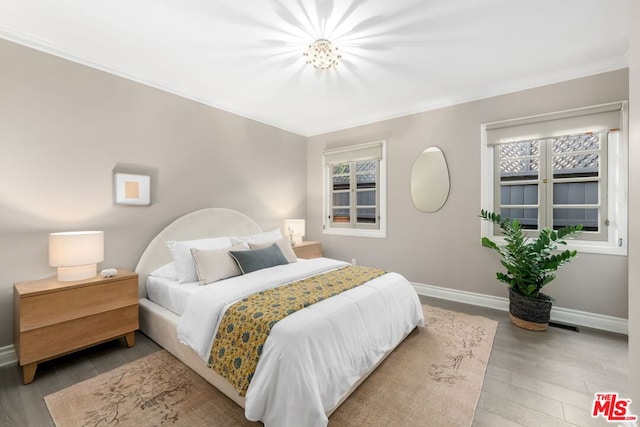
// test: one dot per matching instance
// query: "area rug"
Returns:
(433, 378)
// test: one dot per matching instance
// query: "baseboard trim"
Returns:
(8, 355)
(558, 314)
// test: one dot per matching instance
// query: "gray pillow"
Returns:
(283, 244)
(258, 259)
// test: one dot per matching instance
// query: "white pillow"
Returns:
(266, 237)
(216, 264)
(167, 271)
(283, 244)
(181, 252)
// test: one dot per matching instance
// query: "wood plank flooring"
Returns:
(533, 378)
(549, 378)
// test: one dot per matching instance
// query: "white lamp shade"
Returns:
(76, 253)
(295, 228)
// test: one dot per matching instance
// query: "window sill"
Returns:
(355, 232)
(590, 247)
(597, 248)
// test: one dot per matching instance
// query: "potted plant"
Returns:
(531, 263)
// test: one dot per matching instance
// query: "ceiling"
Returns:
(398, 57)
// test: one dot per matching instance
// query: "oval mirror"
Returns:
(430, 180)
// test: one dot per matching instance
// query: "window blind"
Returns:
(591, 119)
(354, 153)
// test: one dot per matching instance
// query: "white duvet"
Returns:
(312, 357)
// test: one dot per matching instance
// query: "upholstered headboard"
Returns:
(204, 223)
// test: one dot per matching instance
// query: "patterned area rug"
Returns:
(433, 378)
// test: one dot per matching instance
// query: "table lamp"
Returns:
(76, 254)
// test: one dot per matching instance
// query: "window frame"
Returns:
(353, 192)
(353, 228)
(546, 181)
(615, 178)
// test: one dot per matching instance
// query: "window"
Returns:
(554, 182)
(355, 190)
(561, 169)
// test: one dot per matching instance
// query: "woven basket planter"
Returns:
(529, 313)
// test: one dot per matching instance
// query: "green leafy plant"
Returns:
(530, 262)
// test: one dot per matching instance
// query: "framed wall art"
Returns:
(132, 189)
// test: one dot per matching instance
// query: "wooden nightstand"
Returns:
(308, 249)
(54, 318)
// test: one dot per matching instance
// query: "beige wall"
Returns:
(634, 206)
(64, 128)
(443, 248)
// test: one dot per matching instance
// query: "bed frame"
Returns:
(160, 324)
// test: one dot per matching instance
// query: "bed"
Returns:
(294, 384)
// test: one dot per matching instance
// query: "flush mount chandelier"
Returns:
(322, 54)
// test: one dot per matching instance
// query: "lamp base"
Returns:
(79, 272)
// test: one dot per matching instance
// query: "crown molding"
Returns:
(50, 48)
(558, 76)
(46, 46)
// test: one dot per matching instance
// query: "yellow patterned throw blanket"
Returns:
(246, 324)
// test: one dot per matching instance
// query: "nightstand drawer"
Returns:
(77, 302)
(53, 318)
(308, 249)
(60, 338)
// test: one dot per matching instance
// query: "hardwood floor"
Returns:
(546, 378)
(533, 378)
(23, 405)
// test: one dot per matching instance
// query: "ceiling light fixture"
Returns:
(322, 54)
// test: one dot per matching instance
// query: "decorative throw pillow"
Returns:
(216, 264)
(181, 252)
(266, 237)
(167, 271)
(258, 259)
(283, 244)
